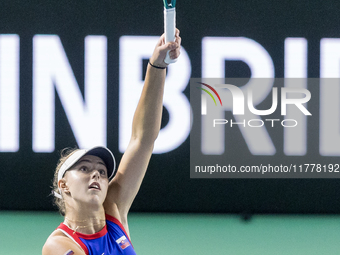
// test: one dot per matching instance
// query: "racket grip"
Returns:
(169, 30)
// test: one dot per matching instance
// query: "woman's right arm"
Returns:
(58, 244)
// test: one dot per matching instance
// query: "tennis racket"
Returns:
(169, 26)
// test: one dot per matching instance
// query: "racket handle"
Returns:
(169, 30)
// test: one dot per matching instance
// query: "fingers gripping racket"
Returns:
(169, 26)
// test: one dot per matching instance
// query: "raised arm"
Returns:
(145, 128)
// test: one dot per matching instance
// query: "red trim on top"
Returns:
(95, 235)
(74, 235)
(117, 222)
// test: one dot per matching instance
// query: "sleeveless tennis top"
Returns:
(111, 240)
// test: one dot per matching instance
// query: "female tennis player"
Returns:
(96, 208)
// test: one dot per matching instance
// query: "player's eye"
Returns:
(83, 169)
(102, 172)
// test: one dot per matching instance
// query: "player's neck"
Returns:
(85, 221)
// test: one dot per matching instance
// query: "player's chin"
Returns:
(96, 197)
(95, 201)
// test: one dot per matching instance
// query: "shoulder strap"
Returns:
(73, 236)
(118, 223)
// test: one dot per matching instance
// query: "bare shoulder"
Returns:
(59, 244)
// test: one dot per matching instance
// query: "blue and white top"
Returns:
(111, 240)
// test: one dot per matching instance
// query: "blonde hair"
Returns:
(64, 155)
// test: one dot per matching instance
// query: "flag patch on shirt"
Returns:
(123, 242)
